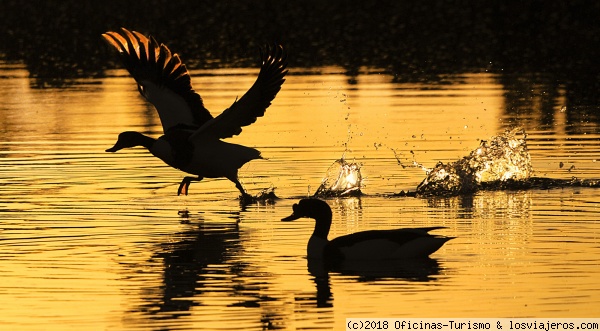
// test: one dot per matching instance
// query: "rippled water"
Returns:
(93, 240)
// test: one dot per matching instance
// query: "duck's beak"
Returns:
(116, 147)
(295, 215)
(292, 217)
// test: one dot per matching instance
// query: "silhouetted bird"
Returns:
(365, 245)
(192, 136)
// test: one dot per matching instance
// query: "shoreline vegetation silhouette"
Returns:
(556, 42)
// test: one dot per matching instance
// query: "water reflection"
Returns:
(187, 264)
(543, 102)
(421, 270)
(415, 270)
(149, 269)
(501, 205)
(199, 266)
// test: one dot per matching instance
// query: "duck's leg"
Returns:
(245, 196)
(185, 184)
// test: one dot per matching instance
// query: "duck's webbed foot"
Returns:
(185, 184)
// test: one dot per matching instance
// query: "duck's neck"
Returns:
(322, 225)
(145, 141)
(318, 241)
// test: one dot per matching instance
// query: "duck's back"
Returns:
(217, 158)
(387, 244)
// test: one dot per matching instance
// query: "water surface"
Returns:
(94, 240)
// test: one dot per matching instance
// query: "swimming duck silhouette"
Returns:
(192, 136)
(409, 243)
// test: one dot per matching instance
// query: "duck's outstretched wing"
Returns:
(162, 79)
(255, 102)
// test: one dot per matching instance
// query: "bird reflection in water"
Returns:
(194, 265)
(412, 270)
(186, 262)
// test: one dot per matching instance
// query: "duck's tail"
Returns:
(252, 154)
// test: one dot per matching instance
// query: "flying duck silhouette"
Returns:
(192, 136)
(366, 245)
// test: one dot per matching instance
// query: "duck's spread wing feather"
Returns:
(254, 103)
(162, 78)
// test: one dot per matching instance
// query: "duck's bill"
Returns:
(292, 217)
(116, 147)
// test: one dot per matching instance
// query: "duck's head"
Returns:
(311, 208)
(130, 139)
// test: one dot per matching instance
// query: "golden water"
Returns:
(98, 241)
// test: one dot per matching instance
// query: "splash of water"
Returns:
(503, 158)
(266, 196)
(342, 179)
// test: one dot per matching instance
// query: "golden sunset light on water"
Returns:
(390, 165)
(103, 234)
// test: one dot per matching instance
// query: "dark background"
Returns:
(412, 40)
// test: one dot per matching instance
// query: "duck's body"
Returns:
(192, 137)
(367, 245)
(388, 244)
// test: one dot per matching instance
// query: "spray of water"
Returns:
(342, 179)
(503, 158)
